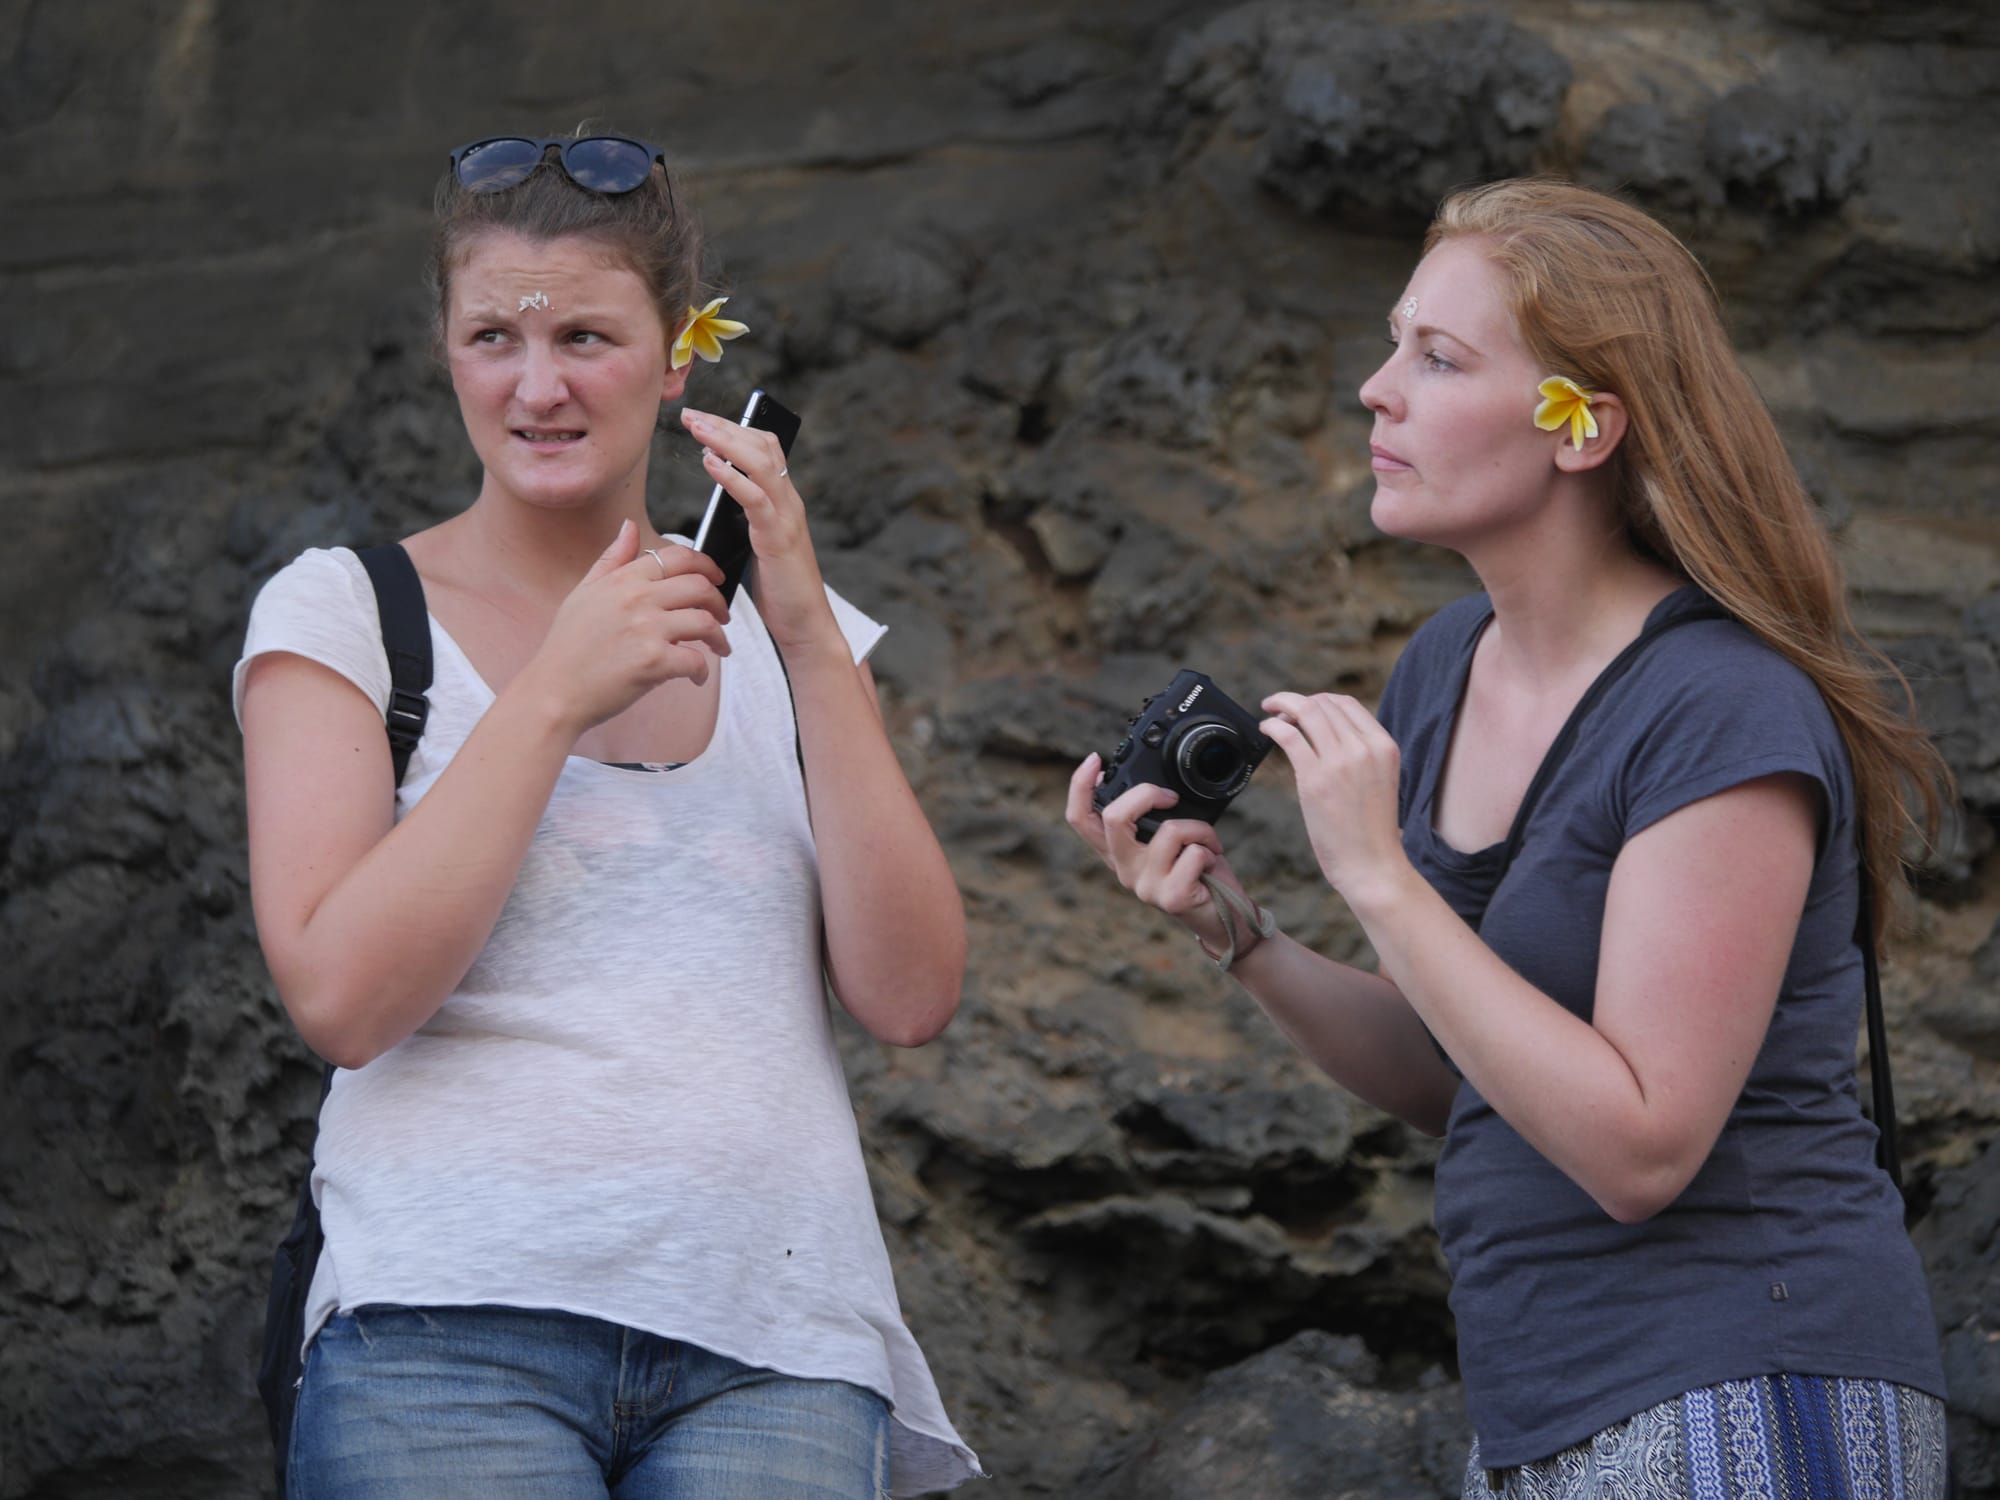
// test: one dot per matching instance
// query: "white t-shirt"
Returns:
(632, 1108)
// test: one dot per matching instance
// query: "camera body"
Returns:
(1191, 738)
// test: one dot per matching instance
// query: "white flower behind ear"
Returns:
(704, 332)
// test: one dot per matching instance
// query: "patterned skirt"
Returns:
(1775, 1437)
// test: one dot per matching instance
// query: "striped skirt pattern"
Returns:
(1775, 1437)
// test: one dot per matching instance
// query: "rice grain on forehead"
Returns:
(651, 231)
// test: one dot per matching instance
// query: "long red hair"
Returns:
(1609, 297)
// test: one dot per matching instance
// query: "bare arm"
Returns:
(368, 925)
(1699, 923)
(895, 926)
(1355, 1026)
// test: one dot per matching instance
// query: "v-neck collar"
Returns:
(1424, 806)
(487, 697)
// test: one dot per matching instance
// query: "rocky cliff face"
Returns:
(1075, 303)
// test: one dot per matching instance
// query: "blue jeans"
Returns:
(404, 1403)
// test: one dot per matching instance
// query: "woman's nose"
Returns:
(541, 385)
(1378, 391)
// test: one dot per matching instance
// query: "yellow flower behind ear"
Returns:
(704, 334)
(1563, 400)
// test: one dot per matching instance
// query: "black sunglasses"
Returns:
(609, 164)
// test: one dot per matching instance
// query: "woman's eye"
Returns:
(585, 336)
(1437, 361)
(487, 336)
(1392, 341)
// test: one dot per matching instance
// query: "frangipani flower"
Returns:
(1563, 400)
(704, 334)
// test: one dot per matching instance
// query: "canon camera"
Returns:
(1191, 739)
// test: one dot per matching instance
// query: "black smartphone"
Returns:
(724, 533)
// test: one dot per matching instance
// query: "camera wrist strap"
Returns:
(1230, 904)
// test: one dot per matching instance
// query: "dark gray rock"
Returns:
(1970, 1018)
(1010, 352)
(1040, 716)
(1233, 1130)
(886, 438)
(1153, 586)
(1918, 21)
(1306, 1419)
(902, 290)
(1960, 1241)
(1080, 492)
(1757, 148)
(1900, 291)
(1204, 367)
(1369, 121)
(1047, 69)
(1638, 147)
(1956, 681)
(1158, 379)
(917, 656)
(1074, 548)
(1782, 154)
(43, 71)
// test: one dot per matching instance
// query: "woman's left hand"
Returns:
(750, 465)
(1346, 767)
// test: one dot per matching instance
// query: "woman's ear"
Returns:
(676, 381)
(1609, 414)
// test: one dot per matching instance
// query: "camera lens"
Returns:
(1210, 760)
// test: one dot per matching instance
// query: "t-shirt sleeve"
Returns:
(1722, 715)
(864, 633)
(322, 607)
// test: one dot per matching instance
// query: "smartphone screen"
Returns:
(724, 533)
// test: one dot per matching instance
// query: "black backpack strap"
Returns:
(406, 637)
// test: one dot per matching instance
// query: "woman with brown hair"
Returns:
(1677, 1268)
(597, 1222)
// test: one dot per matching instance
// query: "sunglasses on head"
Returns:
(601, 163)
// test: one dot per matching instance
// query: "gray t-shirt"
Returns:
(1787, 1251)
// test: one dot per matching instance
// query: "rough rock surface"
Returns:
(1075, 309)
(1327, 97)
(1961, 1243)
(1305, 1420)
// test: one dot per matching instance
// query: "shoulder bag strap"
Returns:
(1883, 1091)
(1565, 740)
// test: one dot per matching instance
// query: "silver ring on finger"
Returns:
(784, 471)
(654, 553)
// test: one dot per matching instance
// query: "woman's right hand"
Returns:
(629, 625)
(1167, 871)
